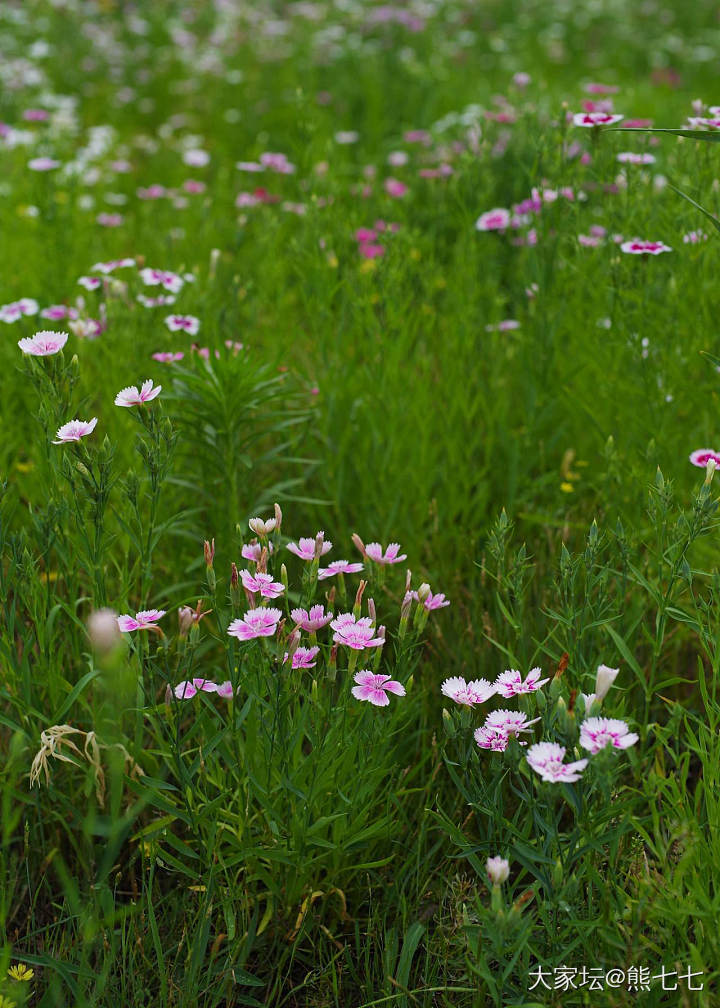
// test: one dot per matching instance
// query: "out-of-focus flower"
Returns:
(103, 630)
(493, 220)
(639, 246)
(183, 323)
(498, 869)
(43, 164)
(375, 688)
(596, 119)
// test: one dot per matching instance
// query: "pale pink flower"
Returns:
(507, 325)
(188, 689)
(693, 237)
(375, 688)
(196, 158)
(186, 323)
(255, 623)
(167, 357)
(437, 601)
(112, 264)
(165, 278)
(639, 246)
(356, 634)
(475, 692)
(253, 550)
(90, 283)
(131, 396)
(262, 583)
(374, 551)
(596, 119)
(147, 619)
(43, 343)
(509, 722)
(74, 430)
(311, 621)
(17, 309)
(338, 567)
(43, 164)
(491, 738)
(597, 732)
(636, 158)
(110, 220)
(546, 759)
(305, 548)
(156, 302)
(604, 679)
(498, 870)
(303, 657)
(510, 683)
(262, 527)
(58, 312)
(493, 220)
(601, 89)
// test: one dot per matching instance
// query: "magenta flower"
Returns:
(43, 343)
(638, 246)
(510, 683)
(493, 220)
(509, 722)
(131, 396)
(305, 548)
(395, 188)
(356, 634)
(303, 657)
(596, 119)
(468, 694)
(491, 738)
(145, 620)
(311, 621)
(184, 323)
(189, 688)
(375, 688)
(167, 357)
(253, 550)
(338, 567)
(255, 623)
(262, 583)
(58, 312)
(546, 759)
(597, 732)
(74, 430)
(90, 283)
(701, 456)
(374, 551)
(433, 601)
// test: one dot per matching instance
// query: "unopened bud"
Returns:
(185, 619)
(209, 552)
(448, 723)
(709, 471)
(319, 540)
(424, 592)
(358, 599)
(603, 680)
(357, 541)
(284, 579)
(332, 663)
(371, 610)
(278, 517)
(235, 592)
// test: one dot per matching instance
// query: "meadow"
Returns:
(359, 582)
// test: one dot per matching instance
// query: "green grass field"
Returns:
(387, 280)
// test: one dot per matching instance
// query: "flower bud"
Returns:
(448, 723)
(319, 540)
(359, 543)
(209, 552)
(278, 517)
(371, 610)
(332, 663)
(235, 592)
(357, 608)
(498, 870)
(603, 681)
(405, 613)
(709, 470)
(185, 619)
(424, 592)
